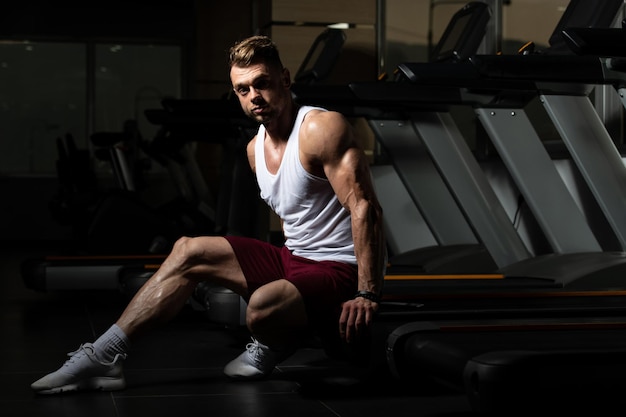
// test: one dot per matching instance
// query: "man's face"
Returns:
(261, 90)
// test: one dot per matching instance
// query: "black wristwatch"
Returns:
(367, 295)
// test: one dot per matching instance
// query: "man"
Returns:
(328, 276)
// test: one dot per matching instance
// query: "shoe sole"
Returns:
(258, 377)
(92, 384)
(246, 373)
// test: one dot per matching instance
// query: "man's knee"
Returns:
(186, 255)
(277, 303)
(192, 250)
(206, 258)
(183, 247)
(259, 309)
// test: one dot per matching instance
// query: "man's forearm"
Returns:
(370, 248)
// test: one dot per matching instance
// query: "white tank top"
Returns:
(316, 228)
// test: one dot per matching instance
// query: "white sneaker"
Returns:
(256, 362)
(83, 371)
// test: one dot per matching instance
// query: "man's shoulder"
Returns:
(319, 112)
(319, 120)
(323, 134)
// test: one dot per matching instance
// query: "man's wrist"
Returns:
(368, 295)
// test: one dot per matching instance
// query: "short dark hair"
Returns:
(253, 50)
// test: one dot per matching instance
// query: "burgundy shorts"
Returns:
(324, 285)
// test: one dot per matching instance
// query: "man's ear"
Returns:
(286, 78)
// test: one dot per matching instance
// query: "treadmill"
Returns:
(449, 244)
(568, 359)
(454, 247)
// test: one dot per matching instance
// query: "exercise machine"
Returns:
(566, 351)
(448, 244)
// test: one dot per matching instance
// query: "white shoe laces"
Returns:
(88, 350)
(255, 352)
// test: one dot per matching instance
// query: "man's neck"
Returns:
(280, 129)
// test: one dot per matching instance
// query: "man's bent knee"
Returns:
(207, 258)
(186, 248)
(205, 250)
(278, 303)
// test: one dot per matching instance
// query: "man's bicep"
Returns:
(349, 177)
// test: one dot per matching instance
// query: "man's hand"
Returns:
(356, 316)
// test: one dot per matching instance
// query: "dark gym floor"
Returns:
(177, 370)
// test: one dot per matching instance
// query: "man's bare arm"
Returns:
(330, 142)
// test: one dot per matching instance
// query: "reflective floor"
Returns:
(177, 369)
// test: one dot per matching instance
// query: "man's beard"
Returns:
(261, 118)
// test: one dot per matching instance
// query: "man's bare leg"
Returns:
(276, 317)
(276, 313)
(191, 261)
(98, 366)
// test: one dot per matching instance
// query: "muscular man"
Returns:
(328, 276)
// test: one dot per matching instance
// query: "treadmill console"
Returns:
(463, 35)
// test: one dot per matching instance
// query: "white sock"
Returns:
(111, 343)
